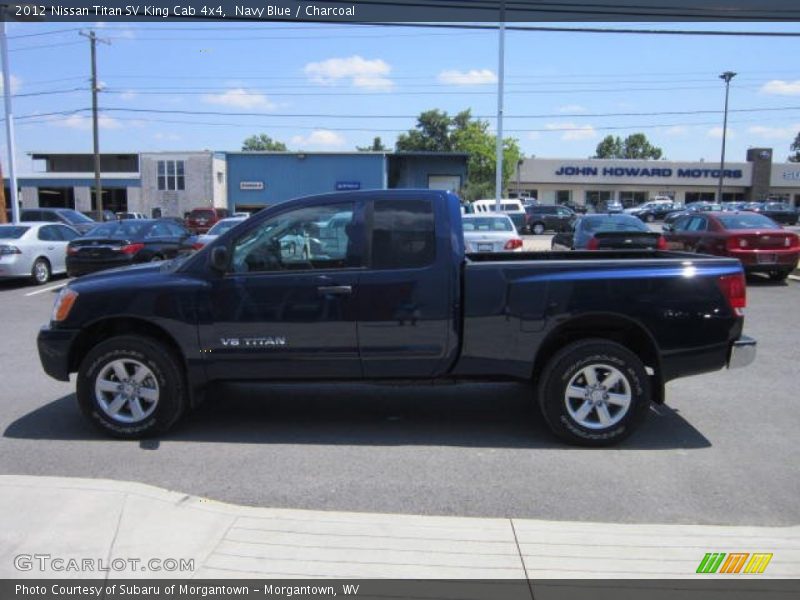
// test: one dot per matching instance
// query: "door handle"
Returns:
(51, 248)
(339, 290)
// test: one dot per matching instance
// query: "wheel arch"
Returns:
(613, 327)
(113, 326)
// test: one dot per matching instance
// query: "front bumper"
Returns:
(54, 348)
(742, 352)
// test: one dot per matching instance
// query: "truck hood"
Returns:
(121, 274)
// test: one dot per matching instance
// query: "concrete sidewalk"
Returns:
(103, 520)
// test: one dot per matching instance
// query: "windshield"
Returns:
(12, 232)
(76, 218)
(488, 224)
(776, 206)
(224, 226)
(120, 230)
(747, 221)
(619, 223)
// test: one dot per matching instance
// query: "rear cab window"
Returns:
(403, 234)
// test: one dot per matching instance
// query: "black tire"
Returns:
(538, 228)
(779, 275)
(41, 271)
(166, 370)
(567, 366)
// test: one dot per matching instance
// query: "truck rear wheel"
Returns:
(131, 387)
(594, 393)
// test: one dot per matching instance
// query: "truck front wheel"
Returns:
(131, 387)
(594, 393)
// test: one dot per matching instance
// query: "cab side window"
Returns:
(403, 235)
(697, 224)
(49, 234)
(311, 238)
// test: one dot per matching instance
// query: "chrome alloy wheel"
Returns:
(598, 396)
(41, 272)
(126, 390)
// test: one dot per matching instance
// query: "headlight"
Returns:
(63, 305)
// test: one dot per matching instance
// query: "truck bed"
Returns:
(524, 299)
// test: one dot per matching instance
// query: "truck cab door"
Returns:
(408, 294)
(286, 308)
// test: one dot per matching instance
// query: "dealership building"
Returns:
(173, 183)
(593, 182)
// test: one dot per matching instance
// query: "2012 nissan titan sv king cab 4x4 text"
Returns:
(376, 286)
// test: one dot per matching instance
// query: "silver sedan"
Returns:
(490, 233)
(34, 250)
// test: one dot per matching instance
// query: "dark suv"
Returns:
(541, 218)
(200, 220)
(67, 216)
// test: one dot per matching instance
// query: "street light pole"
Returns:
(498, 180)
(12, 151)
(726, 77)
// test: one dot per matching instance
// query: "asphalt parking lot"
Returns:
(721, 451)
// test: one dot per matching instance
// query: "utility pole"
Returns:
(97, 201)
(726, 77)
(12, 152)
(498, 180)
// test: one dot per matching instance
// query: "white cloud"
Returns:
(166, 137)
(716, 132)
(572, 108)
(779, 87)
(675, 130)
(571, 132)
(471, 77)
(241, 98)
(775, 133)
(85, 123)
(361, 72)
(319, 138)
(15, 84)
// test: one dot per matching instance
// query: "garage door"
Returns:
(450, 183)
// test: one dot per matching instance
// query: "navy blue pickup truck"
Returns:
(376, 286)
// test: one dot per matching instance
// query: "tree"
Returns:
(635, 146)
(436, 131)
(610, 147)
(263, 143)
(795, 147)
(377, 146)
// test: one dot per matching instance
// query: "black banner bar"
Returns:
(370, 11)
(712, 588)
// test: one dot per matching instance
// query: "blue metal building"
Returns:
(258, 179)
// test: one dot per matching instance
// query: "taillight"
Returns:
(593, 244)
(736, 243)
(661, 244)
(72, 250)
(513, 244)
(792, 241)
(9, 250)
(734, 289)
(131, 248)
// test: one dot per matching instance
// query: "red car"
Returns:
(757, 241)
(200, 220)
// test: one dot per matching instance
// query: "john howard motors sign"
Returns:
(625, 172)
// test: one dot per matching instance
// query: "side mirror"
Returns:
(220, 258)
(666, 227)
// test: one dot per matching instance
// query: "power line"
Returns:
(41, 33)
(56, 45)
(487, 117)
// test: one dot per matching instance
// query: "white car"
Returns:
(34, 250)
(217, 230)
(490, 233)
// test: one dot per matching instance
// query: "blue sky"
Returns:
(278, 70)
